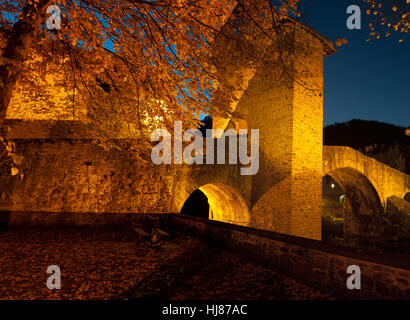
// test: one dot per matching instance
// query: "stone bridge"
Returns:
(71, 174)
(63, 171)
(367, 183)
(368, 180)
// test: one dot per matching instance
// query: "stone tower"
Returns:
(283, 97)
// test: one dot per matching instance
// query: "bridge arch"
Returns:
(225, 203)
(386, 180)
(361, 193)
(362, 207)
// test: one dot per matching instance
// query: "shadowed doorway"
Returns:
(196, 205)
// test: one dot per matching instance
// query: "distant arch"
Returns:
(225, 204)
(362, 204)
(333, 201)
(386, 180)
(361, 193)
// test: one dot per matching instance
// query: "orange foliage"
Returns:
(385, 18)
(122, 65)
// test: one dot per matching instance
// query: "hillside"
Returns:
(385, 142)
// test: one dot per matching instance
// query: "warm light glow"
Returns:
(333, 185)
(226, 204)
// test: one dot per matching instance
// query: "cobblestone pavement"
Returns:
(115, 264)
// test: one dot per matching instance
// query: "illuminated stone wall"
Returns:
(66, 172)
(368, 185)
(75, 175)
(284, 101)
(318, 264)
(386, 180)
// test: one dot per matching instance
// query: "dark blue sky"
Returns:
(365, 80)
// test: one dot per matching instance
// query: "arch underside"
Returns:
(362, 195)
(226, 204)
(362, 207)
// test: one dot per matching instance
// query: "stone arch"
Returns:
(407, 197)
(196, 205)
(332, 209)
(362, 204)
(225, 203)
(364, 196)
(386, 180)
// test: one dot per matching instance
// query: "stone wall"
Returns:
(309, 261)
(36, 220)
(320, 265)
(65, 172)
(398, 215)
(76, 175)
(386, 180)
(284, 101)
(63, 175)
(368, 185)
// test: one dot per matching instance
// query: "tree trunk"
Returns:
(19, 42)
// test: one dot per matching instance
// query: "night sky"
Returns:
(364, 80)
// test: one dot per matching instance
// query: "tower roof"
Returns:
(327, 44)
